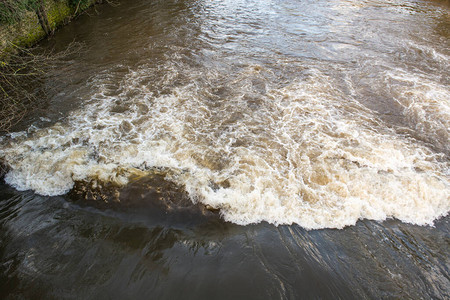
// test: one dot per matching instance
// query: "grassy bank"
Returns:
(22, 72)
(24, 22)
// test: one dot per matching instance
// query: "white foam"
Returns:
(425, 103)
(305, 153)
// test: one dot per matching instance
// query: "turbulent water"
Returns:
(315, 113)
(267, 111)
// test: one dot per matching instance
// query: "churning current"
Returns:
(317, 113)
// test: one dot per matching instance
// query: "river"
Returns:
(236, 149)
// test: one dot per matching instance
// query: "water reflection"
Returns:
(214, 79)
(55, 248)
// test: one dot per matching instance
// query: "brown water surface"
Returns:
(236, 149)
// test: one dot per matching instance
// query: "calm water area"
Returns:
(236, 149)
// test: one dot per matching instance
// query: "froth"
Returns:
(304, 153)
(425, 104)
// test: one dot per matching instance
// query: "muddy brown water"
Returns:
(236, 149)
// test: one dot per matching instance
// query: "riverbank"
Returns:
(27, 25)
(23, 23)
